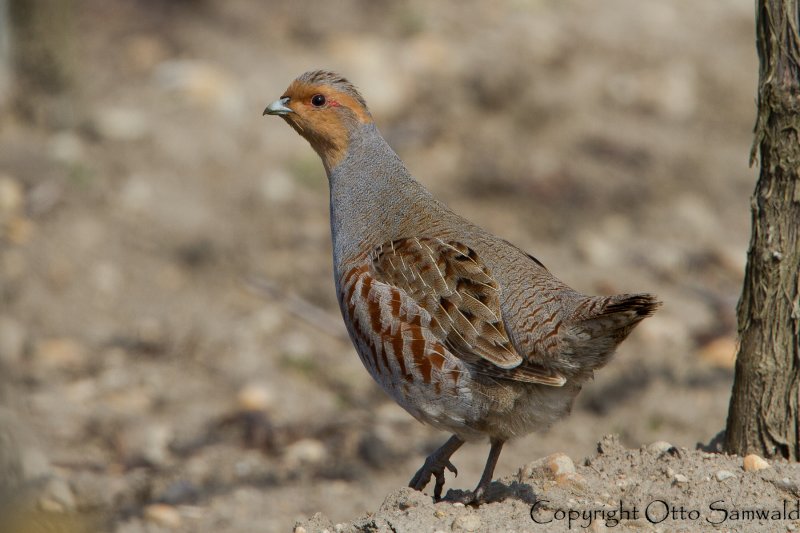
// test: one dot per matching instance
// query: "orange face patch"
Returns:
(301, 94)
(324, 116)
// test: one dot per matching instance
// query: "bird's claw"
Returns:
(451, 467)
(437, 489)
(473, 498)
(432, 468)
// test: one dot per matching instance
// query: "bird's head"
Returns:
(325, 109)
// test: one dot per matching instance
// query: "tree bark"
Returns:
(763, 414)
(5, 55)
(43, 44)
(43, 53)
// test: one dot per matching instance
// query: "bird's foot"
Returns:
(474, 498)
(434, 466)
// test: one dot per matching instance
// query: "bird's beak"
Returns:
(278, 107)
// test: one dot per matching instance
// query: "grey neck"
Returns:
(372, 194)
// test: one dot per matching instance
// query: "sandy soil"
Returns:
(655, 488)
(170, 348)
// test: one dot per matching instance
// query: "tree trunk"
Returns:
(43, 45)
(763, 414)
(5, 55)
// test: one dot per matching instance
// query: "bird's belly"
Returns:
(443, 398)
(472, 410)
(523, 408)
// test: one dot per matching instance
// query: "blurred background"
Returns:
(171, 352)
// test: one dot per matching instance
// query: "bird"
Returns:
(464, 330)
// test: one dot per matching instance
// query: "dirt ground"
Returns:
(171, 352)
(656, 488)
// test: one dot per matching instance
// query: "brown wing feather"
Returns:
(449, 280)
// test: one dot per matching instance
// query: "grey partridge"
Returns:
(464, 330)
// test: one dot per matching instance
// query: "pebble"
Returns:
(299, 529)
(57, 496)
(19, 229)
(254, 397)
(148, 444)
(11, 195)
(598, 526)
(550, 467)
(305, 452)
(788, 485)
(468, 522)
(661, 447)
(722, 475)
(120, 124)
(66, 147)
(405, 498)
(596, 249)
(163, 515)
(458, 504)
(59, 353)
(297, 346)
(571, 479)
(753, 463)
(560, 464)
(680, 478)
(609, 444)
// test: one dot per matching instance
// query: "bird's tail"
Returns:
(621, 313)
(608, 320)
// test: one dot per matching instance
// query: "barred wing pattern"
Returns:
(462, 300)
(446, 280)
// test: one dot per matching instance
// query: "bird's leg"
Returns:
(478, 496)
(435, 465)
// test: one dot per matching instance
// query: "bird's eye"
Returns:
(318, 100)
